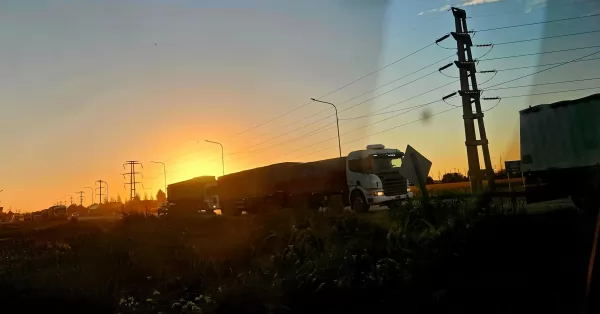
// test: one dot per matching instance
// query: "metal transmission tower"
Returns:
(100, 189)
(132, 173)
(80, 197)
(471, 95)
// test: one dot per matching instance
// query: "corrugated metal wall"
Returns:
(561, 135)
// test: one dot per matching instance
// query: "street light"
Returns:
(222, 155)
(337, 122)
(164, 173)
(87, 187)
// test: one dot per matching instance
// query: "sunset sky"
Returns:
(89, 84)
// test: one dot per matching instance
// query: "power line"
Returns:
(542, 65)
(536, 23)
(339, 88)
(316, 131)
(538, 53)
(542, 84)
(381, 113)
(552, 92)
(536, 94)
(547, 37)
(408, 109)
(353, 106)
(395, 127)
(556, 66)
(365, 126)
(445, 111)
(360, 95)
(394, 104)
(560, 64)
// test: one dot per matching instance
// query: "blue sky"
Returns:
(89, 84)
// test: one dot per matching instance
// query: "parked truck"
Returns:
(56, 212)
(560, 151)
(190, 196)
(363, 178)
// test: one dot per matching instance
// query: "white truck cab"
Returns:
(373, 177)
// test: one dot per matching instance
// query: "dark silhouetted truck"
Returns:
(560, 151)
(191, 196)
(363, 178)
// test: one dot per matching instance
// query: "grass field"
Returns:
(446, 256)
(463, 188)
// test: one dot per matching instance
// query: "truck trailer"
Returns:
(191, 196)
(560, 151)
(57, 212)
(363, 178)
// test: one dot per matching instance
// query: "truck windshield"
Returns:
(379, 164)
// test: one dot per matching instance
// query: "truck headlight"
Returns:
(380, 193)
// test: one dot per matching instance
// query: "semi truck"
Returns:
(560, 151)
(362, 179)
(191, 196)
(56, 212)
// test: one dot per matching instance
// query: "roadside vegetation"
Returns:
(446, 255)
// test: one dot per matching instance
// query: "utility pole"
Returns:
(100, 193)
(471, 95)
(131, 174)
(80, 197)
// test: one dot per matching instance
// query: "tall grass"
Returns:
(292, 261)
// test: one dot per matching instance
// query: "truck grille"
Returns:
(393, 184)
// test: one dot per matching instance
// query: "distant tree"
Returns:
(430, 180)
(145, 196)
(161, 196)
(136, 197)
(119, 200)
(454, 177)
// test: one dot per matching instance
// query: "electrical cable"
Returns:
(543, 65)
(353, 106)
(537, 23)
(554, 67)
(538, 53)
(338, 89)
(543, 84)
(547, 37)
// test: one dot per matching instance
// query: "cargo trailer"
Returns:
(363, 178)
(560, 151)
(191, 196)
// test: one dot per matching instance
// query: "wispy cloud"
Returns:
(440, 9)
(464, 3)
(477, 2)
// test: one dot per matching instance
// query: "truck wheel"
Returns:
(359, 203)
